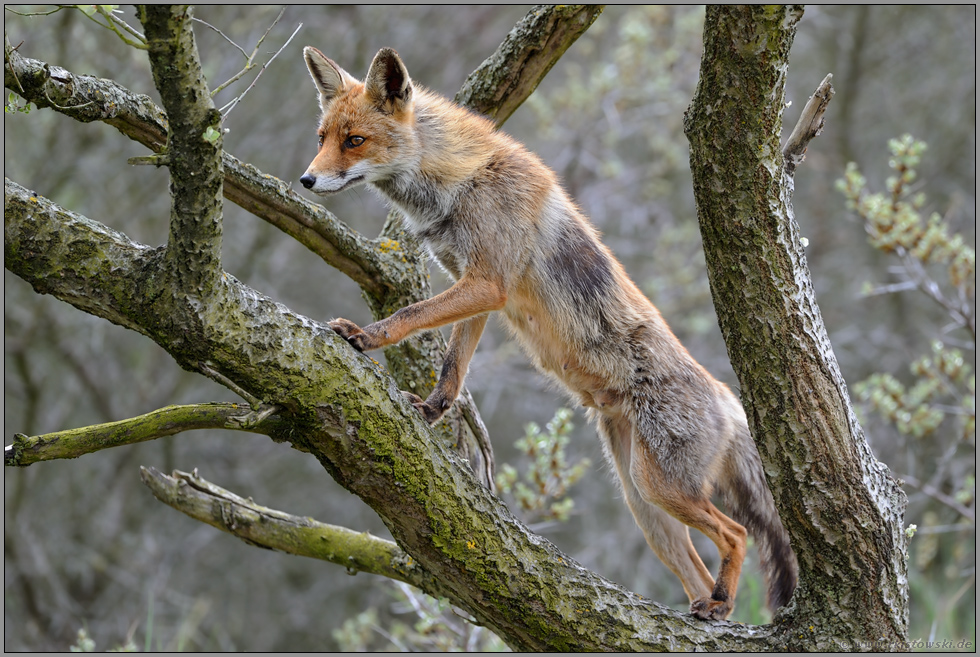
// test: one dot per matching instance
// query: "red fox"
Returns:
(500, 224)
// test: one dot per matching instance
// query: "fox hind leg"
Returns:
(669, 538)
(694, 510)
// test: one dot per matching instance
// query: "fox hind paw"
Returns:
(711, 609)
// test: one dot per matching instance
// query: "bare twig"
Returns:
(65, 109)
(960, 311)
(37, 13)
(218, 377)
(482, 435)
(248, 58)
(8, 50)
(113, 23)
(161, 160)
(808, 127)
(231, 105)
(126, 26)
(941, 497)
(229, 40)
(249, 61)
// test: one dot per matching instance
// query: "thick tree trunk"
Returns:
(841, 507)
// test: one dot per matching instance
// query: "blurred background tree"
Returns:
(85, 545)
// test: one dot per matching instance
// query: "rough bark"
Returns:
(345, 410)
(194, 244)
(842, 508)
(274, 530)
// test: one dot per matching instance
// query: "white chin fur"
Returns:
(325, 185)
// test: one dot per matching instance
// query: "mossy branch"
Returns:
(193, 149)
(267, 528)
(86, 98)
(41, 246)
(167, 421)
(512, 73)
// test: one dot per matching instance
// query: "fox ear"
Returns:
(329, 78)
(388, 84)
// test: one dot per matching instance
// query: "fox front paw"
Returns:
(430, 412)
(711, 609)
(353, 333)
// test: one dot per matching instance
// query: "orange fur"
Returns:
(496, 219)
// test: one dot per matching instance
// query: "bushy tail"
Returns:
(750, 503)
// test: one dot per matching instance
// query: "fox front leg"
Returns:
(462, 343)
(362, 339)
(374, 336)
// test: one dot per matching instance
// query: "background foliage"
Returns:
(85, 545)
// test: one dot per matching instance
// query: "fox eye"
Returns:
(319, 141)
(354, 141)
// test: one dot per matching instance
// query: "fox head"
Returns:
(366, 128)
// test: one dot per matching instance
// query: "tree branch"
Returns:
(168, 421)
(343, 408)
(274, 530)
(941, 497)
(808, 127)
(505, 80)
(86, 98)
(40, 246)
(193, 148)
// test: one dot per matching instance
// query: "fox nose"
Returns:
(308, 181)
